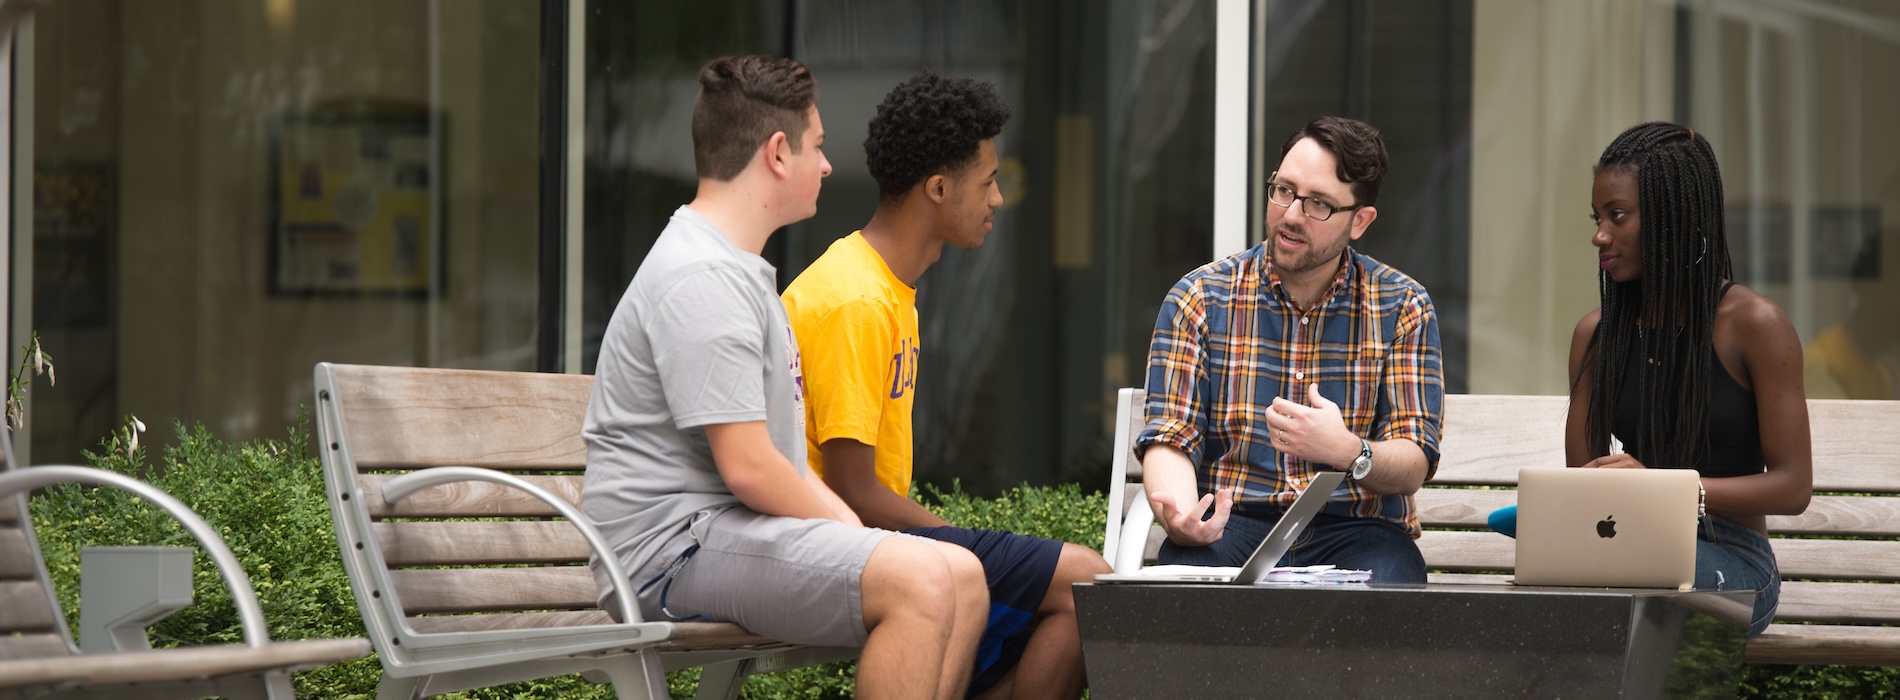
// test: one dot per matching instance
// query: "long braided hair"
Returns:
(1665, 320)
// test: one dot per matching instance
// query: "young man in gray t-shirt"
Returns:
(695, 436)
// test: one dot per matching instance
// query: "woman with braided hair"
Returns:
(1686, 368)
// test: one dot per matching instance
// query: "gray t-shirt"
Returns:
(700, 338)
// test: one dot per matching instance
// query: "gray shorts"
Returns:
(790, 579)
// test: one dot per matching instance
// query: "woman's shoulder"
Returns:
(1752, 333)
(1751, 313)
(1587, 326)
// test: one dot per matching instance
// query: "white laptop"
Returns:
(1606, 527)
(1274, 546)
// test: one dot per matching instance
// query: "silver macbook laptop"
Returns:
(1264, 556)
(1606, 527)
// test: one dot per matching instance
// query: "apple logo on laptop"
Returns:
(1606, 527)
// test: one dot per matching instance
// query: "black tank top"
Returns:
(1734, 428)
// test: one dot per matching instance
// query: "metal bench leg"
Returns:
(269, 685)
(722, 681)
(277, 686)
(400, 688)
(639, 677)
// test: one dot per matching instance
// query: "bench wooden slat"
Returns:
(1857, 516)
(1486, 438)
(714, 635)
(1463, 579)
(467, 544)
(183, 664)
(495, 590)
(9, 510)
(16, 558)
(1844, 560)
(32, 646)
(1855, 445)
(24, 608)
(469, 499)
(1801, 601)
(1467, 550)
(462, 624)
(1825, 644)
(1853, 560)
(1460, 507)
(686, 635)
(1840, 603)
(474, 418)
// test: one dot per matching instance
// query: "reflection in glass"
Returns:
(1106, 170)
(392, 144)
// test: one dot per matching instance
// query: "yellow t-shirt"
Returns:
(856, 325)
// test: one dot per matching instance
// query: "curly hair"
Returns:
(742, 101)
(928, 125)
(1358, 147)
(1683, 248)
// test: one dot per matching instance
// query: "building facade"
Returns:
(209, 196)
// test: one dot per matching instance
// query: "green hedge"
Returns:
(266, 499)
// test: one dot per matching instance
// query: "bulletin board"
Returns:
(356, 204)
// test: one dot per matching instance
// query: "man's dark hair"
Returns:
(1668, 315)
(927, 125)
(743, 100)
(1357, 146)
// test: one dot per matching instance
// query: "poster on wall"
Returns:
(73, 209)
(356, 205)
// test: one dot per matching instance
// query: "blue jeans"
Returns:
(1731, 557)
(1378, 546)
(1728, 557)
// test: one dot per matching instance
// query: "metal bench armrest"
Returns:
(250, 614)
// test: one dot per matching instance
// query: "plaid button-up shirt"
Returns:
(1228, 341)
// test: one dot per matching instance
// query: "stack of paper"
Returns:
(1317, 573)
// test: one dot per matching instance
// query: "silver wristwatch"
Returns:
(1362, 466)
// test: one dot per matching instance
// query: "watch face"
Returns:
(1362, 466)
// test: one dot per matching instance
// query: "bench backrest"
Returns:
(1827, 555)
(31, 623)
(1847, 536)
(446, 554)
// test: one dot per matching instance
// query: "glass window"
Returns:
(1405, 68)
(641, 77)
(1106, 169)
(227, 193)
(1795, 99)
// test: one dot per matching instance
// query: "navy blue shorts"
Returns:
(1018, 568)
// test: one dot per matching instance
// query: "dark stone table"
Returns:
(1395, 640)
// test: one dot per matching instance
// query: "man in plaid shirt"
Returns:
(1295, 356)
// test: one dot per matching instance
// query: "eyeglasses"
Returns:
(1283, 196)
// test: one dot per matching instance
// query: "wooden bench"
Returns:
(38, 658)
(455, 497)
(1840, 561)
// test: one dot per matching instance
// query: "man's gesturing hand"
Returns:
(1185, 527)
(1314, 433)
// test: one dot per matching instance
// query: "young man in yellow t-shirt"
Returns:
(932, 149)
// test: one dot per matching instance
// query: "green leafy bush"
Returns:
(1060, 512)
(1779, 682)
(266, 500)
